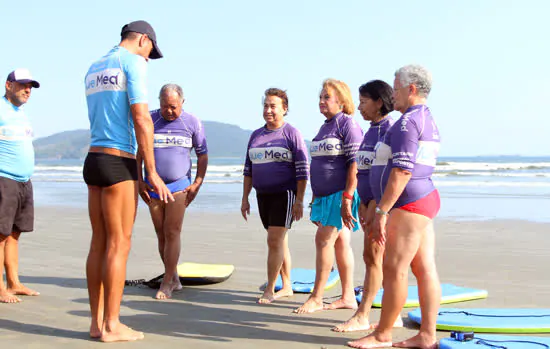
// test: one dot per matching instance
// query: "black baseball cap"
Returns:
(143, 27)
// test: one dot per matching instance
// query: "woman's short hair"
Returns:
(343, 93)
(379, 90)
(415, 75)
(277, 92)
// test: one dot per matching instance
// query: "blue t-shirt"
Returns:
(16, 150)
(113, 83)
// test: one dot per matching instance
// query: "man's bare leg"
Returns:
(275, 258)
(172, 225)
(325, 239)
(156, 209)
(286, 291)
(405, 232)
(344, 262)
(429, 292)
(96, 260)
(11, 262)
(5, 296)
(119, 204)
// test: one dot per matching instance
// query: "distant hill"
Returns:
(224, 140)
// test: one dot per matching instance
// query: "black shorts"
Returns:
(16, 206)
(276, 208)
(104, 170)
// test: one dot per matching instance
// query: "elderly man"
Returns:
(407, 202)
(176, 133)
(16, 168)
(119, 116)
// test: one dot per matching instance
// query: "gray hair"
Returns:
(415, 75)
(172, 87)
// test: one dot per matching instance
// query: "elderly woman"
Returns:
(176, 133)
(406, 205)
(375, 104)
(335, 203)
(276, 166)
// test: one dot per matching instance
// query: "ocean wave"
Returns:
(492, 174)
(491, 166)
(489, 184)
(40, 168)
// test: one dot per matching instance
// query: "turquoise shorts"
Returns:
(326, 210)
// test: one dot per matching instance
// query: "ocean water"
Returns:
(500, 187)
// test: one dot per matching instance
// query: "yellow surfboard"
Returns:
(197, 274)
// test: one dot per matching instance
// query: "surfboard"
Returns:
(494, 320)
(304, 279)
(487, 341)
(198, 274)
(449, 294)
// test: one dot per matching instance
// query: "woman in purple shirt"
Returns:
(334, 208)
(276, 166)
(407, 202)
(375, 104)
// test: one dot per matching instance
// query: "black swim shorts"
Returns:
(104, 170)
(16, 206)
(276, 208)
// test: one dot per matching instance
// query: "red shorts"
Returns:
(427, 206)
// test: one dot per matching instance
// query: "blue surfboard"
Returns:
(304, 279)
(488, 341)
(490, 320)
(449, 294)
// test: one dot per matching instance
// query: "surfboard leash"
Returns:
(487, 342)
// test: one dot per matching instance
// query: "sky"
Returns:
(489, 60)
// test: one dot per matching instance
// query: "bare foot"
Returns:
(121, 333)
(8, 297)
(397, 324)
(342, 304)
(95, 332)
(310, 306)
(356, 323)
(165, 291)
(284, 292)
(178, 286)
(421, 340)
(267, 298)
(373, 340)
(22, 290)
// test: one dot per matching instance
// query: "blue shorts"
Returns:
(326, 210)
(174, 186)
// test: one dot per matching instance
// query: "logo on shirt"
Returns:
(364, 159)
(111, 79)
(427, 153)
(15, 133)
(168, 141)
(327, 147)
(270, 154)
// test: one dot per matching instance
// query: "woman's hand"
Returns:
(347, 216)
(378, 229)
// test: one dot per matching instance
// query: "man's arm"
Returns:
(193, 189)
(144, 134)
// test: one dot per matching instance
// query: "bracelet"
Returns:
(347, 196)
(379, 211)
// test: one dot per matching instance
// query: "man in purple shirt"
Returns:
(407, 201)
(176, 133)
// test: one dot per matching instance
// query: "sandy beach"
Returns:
(508, 258)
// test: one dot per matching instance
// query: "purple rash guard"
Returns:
(173, 142)
(332, 151)
(365, 156)
(276, 159)
(411, 144)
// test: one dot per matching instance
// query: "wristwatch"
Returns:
(379, 211)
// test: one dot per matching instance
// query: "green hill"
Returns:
(224, 140)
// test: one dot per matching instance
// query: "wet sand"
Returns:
(508, 258)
